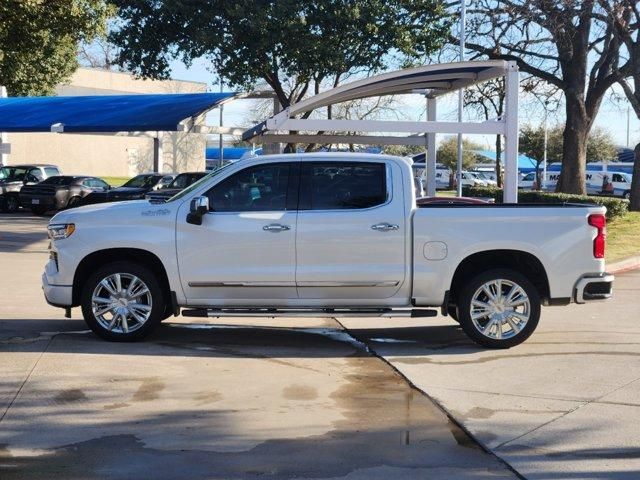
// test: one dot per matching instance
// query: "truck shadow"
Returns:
(221, 340)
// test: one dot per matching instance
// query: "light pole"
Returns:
(3, 135)
(220, 141)
(463, 7)
(544, 155)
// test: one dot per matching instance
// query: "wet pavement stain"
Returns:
(71, 395)
(300, 392)
(207, 397)
(149, 389)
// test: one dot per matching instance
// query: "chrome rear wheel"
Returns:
(499, 308)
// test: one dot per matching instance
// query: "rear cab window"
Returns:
(343, 185)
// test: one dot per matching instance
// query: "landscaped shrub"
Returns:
(616, 207)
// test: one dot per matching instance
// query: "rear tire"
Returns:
(73, 202)
(123, 302)
(499, 308)
(11, 204)
(452, 311)
(627, 195)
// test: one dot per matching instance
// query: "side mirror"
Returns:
(198, 207)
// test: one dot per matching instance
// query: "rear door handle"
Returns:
(384, 227)
(275, 227)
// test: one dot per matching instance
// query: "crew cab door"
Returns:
(351, 231)
(244, 251)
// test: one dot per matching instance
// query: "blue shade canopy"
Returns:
(105, 113)
(524, 162)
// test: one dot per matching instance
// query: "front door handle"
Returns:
(384, 227)
(275, 227)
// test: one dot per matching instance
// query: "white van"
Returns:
(620, 181)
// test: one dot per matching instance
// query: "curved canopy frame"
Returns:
(431, 81)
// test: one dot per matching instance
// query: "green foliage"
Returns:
(402, 150)
(600, 145)
(248, 41)
(39, 40)
(616, 207)
(447, 153)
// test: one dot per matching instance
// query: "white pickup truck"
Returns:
(325, 235)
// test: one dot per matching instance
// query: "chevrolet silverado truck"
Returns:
(325, 235)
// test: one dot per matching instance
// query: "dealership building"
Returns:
(110, 154)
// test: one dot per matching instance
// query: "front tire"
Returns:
(122, 302)
(499, 308)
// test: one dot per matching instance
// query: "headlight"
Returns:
(60, 231)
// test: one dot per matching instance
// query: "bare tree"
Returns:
(571, 45)
(626, 17)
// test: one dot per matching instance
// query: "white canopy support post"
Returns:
(512, 83)
(157, 153)
(430, 161)
(3, 136)
(273, 147)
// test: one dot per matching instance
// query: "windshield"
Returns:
(185, 179)
(12, 174)
(142, 181)
(197, 184)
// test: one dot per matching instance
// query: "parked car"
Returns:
(14, 177)
(277, 235)
(57, 193)
(485, 177)
(134, 189)
(472, 179)
(179, 183)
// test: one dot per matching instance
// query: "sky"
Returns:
(612, 115)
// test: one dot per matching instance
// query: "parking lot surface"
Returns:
(284, 398)
(311, 398)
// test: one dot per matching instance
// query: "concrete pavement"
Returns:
(565, 404)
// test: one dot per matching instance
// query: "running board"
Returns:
(311, 312)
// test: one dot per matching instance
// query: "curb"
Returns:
(628, 264)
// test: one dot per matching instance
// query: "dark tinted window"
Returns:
(342, 185)
(254, 189)
(185, 179)
(60, 180)
(143, 181)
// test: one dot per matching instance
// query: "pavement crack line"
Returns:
(24, 382)
(577, 407)
(369, 349)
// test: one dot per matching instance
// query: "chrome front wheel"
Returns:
(499, 308)
(123, 301)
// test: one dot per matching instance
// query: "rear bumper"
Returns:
(593, 287)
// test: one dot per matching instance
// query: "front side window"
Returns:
(342, 185)
(51, 171)
(254, 189)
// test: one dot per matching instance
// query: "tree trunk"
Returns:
(574, 148)
(635, 182)
(498, 160)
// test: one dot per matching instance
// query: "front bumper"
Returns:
(593, 287)
(57, 295)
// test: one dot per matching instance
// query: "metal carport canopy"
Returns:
(106, 113)
(431, 81)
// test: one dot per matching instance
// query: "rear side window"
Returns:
(342, 185)
(51, 171)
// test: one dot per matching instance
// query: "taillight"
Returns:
(599, 221)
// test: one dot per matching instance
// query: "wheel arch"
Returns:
(100, 258)
(522, 262)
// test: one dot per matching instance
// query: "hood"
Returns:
(115, 213)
